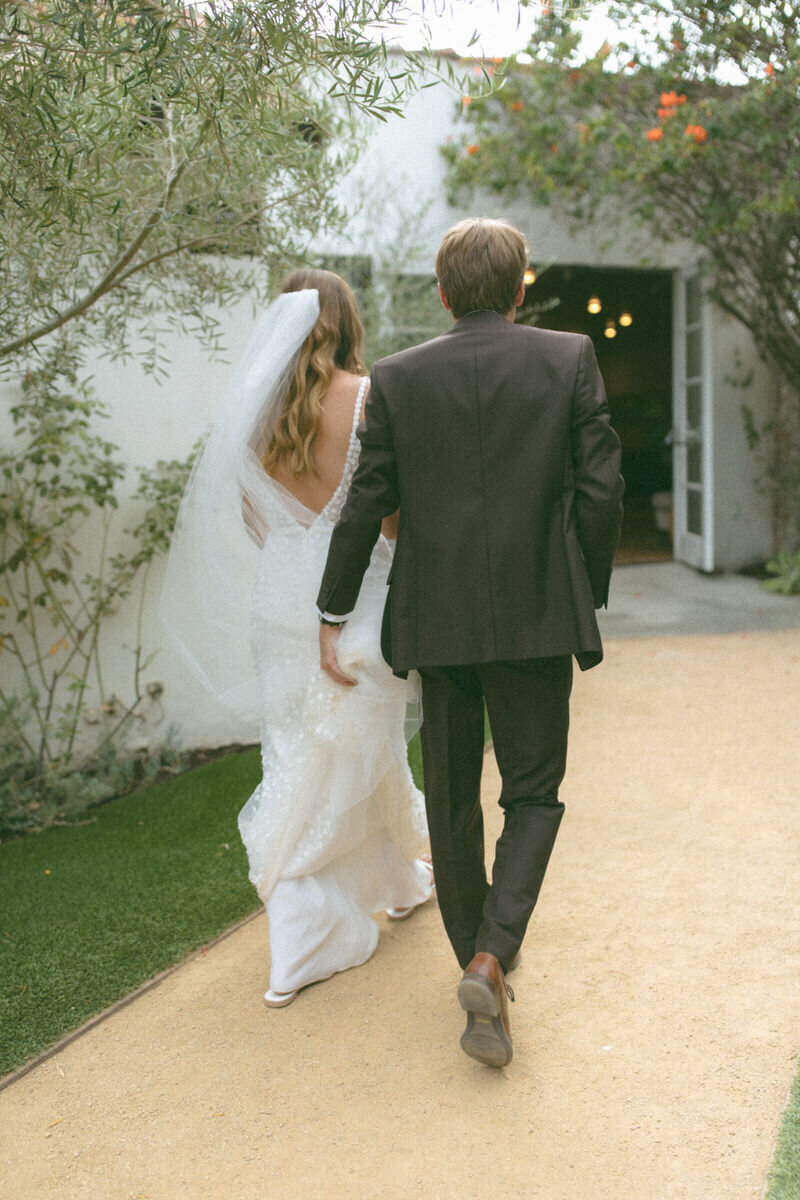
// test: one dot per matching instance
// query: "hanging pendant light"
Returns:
(610, 330)
(625, 319)
(594, 305)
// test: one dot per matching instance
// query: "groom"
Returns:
(495, 444)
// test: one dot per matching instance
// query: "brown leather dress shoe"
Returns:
(483, 994)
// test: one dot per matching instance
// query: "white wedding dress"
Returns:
(333, 828)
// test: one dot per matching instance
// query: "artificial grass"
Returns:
(89, 912)
(784, 1175)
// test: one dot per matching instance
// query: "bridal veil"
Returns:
(222, 521)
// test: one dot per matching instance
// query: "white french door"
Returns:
(692, 462)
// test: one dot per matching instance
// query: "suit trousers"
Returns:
(528, 706)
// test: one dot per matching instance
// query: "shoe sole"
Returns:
(485, 1038)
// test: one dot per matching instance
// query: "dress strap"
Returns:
(362, 389)
(334, 506)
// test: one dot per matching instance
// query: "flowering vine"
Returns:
(668, 107)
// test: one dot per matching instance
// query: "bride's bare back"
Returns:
(330, 447)
(314, 490)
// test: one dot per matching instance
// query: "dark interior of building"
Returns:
(631, 328)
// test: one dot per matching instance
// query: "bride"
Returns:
(333, 828)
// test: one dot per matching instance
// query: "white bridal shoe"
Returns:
(400, 914)
(279, 999)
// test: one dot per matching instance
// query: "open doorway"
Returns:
(628, 315)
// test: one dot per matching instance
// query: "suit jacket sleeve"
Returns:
(596, 458)
(373, 495)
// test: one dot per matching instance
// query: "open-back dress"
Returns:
(333, 828)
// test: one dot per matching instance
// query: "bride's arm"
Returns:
(254, 523)
(390, 525)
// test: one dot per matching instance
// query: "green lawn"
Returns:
(784, 1176)
(89, 912)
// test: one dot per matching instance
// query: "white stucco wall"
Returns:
(152, 421)
(741, 513)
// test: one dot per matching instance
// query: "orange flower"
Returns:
(473, 149)
(630, 65)
(664, 113)
(697, 132)
(466, 99)
(677, 43)
(770, 69)
(517, 106)
(655, 135)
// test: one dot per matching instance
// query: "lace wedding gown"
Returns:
(332, 829)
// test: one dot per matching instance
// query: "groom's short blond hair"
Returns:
(480, 264)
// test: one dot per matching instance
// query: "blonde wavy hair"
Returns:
(335, 341)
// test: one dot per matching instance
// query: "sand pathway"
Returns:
(656, 1021)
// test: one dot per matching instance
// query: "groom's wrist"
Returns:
(326, 618)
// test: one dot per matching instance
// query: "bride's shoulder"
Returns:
(346, 382)
(342, 394)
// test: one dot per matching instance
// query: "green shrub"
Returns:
(33, 796)
(786, 569)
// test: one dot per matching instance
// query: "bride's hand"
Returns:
(328, 637)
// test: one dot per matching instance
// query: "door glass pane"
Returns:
(693, 359)
(695, 512)
(693, 301)
(694, 405)
(694, 465)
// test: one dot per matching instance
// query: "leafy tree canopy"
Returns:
(151, 153)
(690, 121)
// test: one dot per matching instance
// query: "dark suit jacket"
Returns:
(494, 441)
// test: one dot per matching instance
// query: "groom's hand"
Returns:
(328, 637)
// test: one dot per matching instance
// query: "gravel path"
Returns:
(655, 1026)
